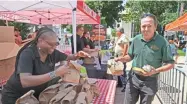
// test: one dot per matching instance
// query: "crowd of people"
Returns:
(36, 60)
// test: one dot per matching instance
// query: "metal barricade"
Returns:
(172, 87)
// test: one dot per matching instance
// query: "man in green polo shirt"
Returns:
(147, 48)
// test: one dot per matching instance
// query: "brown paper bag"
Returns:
(74, 75)
(81, 98)
(27, 98)
(91, 60)
(8, 52)
(60, 95)
(46, 95)
(69, 98)
(115, 68)
(89, 96)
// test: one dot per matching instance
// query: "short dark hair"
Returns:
(78, 27)
(150, 15)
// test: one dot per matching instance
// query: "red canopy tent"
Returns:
(49, 12)
(56, 15)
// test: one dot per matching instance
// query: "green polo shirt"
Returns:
(155, 52)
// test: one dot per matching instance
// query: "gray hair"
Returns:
(152, 16)
(120, 30)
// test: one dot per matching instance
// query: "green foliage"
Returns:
(109, 10)
(161, 9)
(113, 32)
(165, 11)
(23, 27)
(168, 17)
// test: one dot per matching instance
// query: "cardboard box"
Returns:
(8, 52)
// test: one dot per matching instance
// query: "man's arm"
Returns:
(125, 49)
(166, 58)
(126, 58)
(160, 69)
(164, 68)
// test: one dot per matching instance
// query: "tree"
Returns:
(21, 26)
(165, 11)
(109, 10)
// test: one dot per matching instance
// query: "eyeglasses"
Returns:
(52, 44)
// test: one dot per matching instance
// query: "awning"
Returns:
(179, 24)
(47, 12)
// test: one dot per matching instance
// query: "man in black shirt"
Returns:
(35, 64)
(80, 43)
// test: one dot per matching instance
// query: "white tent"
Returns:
(49, 12)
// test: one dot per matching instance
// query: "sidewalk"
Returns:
(120, 97)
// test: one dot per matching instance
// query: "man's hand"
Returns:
(149, 71)
(119, 59)
(152, 72)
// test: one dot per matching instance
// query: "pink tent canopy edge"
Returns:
(85, 15)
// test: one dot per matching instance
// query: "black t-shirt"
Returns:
(86, 41)
(89, 42)
(29, 62)
(80, 43)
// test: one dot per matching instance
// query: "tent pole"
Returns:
(99, 12)
(74, 29)
(185, 61)
(6, 22)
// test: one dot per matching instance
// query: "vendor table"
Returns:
(107, 90)
(95, 73)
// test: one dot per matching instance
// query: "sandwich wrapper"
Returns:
(143, 70)
(115, 68)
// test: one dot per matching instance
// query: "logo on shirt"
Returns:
(154, 47)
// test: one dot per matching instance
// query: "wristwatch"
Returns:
(52, 74)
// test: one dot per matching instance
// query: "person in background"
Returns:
(147, 48)
(120, 49)
(88, 43)
(18, 38)
(33, 35)
(79, 41)
(177, 44)
(66, 40)
(172, 47)
(35, 66)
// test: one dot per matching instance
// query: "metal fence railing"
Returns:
(172, 87)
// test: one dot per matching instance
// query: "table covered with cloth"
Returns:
(107, 90)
